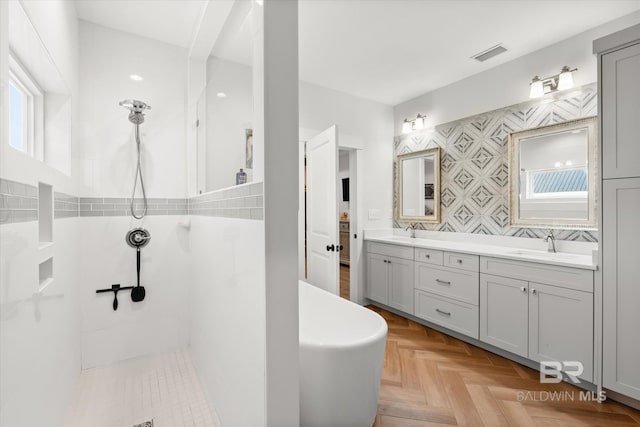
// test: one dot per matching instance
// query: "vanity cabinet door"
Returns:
(621, 286)
(620, 113)
(401, 284)
(561, 326)
(504, 313)
(378, 278)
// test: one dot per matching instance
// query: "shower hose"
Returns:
(135, 181)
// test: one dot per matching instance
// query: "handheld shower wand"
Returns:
(136, 116)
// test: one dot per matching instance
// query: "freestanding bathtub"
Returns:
(341, 357)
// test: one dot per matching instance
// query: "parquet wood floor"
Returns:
(344, 281)
(431, 379)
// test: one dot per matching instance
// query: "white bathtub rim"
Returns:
(360, 343)
(378, 334)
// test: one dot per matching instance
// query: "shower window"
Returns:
(25, 109)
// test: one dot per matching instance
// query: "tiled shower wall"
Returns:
(19, 203)
(474, 163)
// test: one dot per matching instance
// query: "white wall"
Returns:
(56, 23)
(160, 323)
(508, 84)
(366, 126)
(39, 331)
(362, 124)
(107, 58)
(228, 314)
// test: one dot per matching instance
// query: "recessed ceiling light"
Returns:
(136, 78)
(260, 2)
(221, 95)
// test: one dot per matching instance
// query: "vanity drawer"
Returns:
(566, 277)
(447, 282)
(451, 314)
(430, 256)
(462, 261)
(397, 251)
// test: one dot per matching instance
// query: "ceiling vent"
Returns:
(489, 53)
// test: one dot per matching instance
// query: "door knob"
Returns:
(331, 248)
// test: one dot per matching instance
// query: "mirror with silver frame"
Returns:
(418, 186)
(552, 176)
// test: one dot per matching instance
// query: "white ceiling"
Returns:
(385, 50)
(169, 21)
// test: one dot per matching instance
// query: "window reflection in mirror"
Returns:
(418, 186)
(552, 175)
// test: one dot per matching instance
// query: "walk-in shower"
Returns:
(136, 116)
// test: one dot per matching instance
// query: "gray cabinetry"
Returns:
(504, 320)
(621, 283)
(542, 322)
(621, 113)
(390, 276)
(619, 87)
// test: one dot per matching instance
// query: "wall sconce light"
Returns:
(561, 81)
(409, 126)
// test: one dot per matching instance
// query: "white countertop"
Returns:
(565, 259)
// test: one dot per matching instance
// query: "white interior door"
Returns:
(323, 238)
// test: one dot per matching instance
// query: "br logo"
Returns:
(551, 371)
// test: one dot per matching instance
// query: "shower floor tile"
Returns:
(164, 388)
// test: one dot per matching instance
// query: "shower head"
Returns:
(136, 108)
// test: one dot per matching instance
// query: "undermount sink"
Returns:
(541, 254)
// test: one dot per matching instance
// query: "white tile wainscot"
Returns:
(503, 294)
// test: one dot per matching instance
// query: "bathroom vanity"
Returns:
(521, 303)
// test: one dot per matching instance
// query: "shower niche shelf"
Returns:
(45, 273)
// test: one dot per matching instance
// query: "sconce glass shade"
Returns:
(406, 126)
(418, 123)
(565, 81)
(537, 88)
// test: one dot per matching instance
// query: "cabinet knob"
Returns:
(533, 291)
(427, 256)
(459, 261)
(523, 289)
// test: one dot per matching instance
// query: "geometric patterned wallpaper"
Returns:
(474, 158)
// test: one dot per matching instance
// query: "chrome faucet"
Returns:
(412, 227)
(551, 242)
